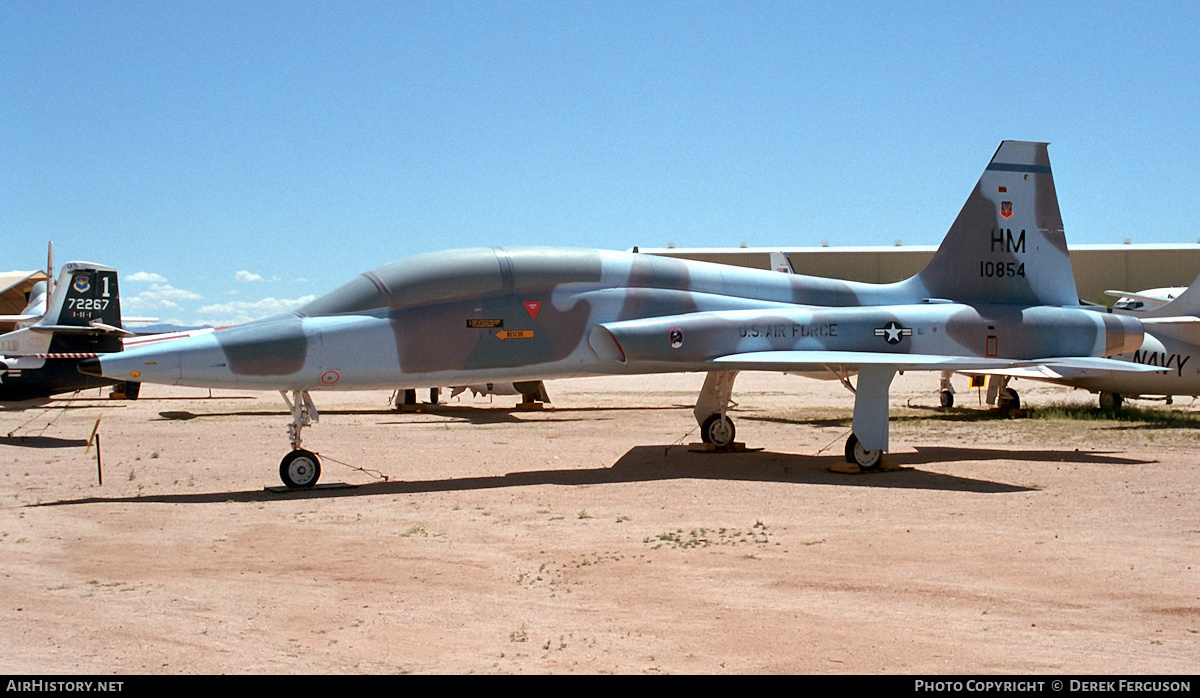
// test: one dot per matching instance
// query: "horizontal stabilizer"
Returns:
(91, 328)
(1185, 328)
(1097, 363)
(21, 318)
(1039, 373)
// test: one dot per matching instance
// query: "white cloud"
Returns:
(159, 296)
(237, 312)
(246, 276)
(147, 276)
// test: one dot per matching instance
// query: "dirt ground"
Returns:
(589, 538)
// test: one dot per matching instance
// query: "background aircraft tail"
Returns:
(1186, 303)
(782, 263)
(85, 310)
(1007, 244)
(82, 315)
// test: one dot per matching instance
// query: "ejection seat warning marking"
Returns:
(514, 334)
(485, 323)
(533, 307)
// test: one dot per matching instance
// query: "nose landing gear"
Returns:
(300, 468)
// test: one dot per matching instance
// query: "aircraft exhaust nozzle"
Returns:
(1122, 334)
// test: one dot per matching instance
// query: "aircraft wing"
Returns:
(1147, 298)
(816, 360)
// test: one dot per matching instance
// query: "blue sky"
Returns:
(230, 158)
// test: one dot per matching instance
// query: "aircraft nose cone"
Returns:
(90, 367)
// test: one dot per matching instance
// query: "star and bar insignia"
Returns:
(893, 332)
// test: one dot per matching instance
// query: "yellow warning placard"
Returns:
(515, 334)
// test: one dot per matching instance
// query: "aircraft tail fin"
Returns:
(86, 295)
(782, 263)
(81, 315)
(1007, 244)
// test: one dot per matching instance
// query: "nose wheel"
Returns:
(300, 469)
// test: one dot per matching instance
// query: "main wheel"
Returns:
(1009, 400)
(947, 399)
(299, 469)
(1110, 401)
(864, 459)
(717, 430)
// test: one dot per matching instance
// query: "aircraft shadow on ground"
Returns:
(41, 442)
(661, 463)
(934, 414)
(477, 415)
(1128, 419)
(463, 413)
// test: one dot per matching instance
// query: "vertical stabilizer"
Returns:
(86, 297)
(85, 294)
(1007, 244)
(782, 263)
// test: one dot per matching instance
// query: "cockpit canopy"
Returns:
(439, 276)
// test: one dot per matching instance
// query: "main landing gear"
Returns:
(946, 391)
(716, 428)
(864, 459)
(870, 417)
(300, 468)
(1003, 397)
(870, 413)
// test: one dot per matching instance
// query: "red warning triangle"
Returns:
(533, 307)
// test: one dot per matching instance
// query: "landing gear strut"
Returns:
(946, 391)
(300, 468)
(1003, 397)
(1008, 401)
(715, 427)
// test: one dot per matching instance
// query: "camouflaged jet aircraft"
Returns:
(998, 293)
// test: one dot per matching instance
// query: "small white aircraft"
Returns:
(1145, 300)
(78, 317)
